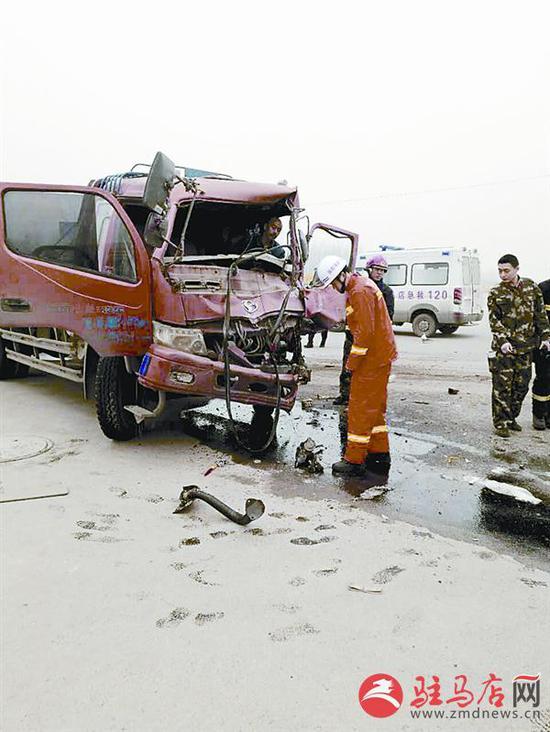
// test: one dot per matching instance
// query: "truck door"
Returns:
(327, 307)
(71, 258)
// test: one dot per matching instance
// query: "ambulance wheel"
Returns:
(448, 329)
(424, 324)
(11, 369)
(114, 389)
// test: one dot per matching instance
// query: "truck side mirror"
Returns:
(159, 182)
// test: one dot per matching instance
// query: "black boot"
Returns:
(539, 423)
(344, 468)
(340, 399)
(378, 462)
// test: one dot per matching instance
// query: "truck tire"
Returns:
(424, 324)
(448, 329)
(114, 389)
(11, 369)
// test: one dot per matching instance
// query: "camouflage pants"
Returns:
(345, 375)
(541, 386)
(511, 377)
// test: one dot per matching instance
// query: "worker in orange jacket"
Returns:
(370, 360)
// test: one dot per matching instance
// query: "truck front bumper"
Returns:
(166, 369)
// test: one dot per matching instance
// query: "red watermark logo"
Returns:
(380, 695)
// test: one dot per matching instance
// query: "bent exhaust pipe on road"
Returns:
(254, 508)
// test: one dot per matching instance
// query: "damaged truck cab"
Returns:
(160, 285)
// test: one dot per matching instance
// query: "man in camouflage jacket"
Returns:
(541, 385)
(519, 326)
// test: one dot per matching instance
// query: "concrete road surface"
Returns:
(118, 614)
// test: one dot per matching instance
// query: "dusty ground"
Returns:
(119, 615)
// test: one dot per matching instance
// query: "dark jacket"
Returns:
(387, 292)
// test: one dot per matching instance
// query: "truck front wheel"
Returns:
(115, 388)
(424, 324)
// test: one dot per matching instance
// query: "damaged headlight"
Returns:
(189, 340)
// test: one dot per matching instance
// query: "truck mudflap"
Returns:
(165, 369)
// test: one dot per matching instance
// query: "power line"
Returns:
(434, 190)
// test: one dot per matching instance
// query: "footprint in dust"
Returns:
(325, 572)
(386, 575)
(304, 541)
(289, 609)
(192, 541)
(176, 616)
(205, 618)
(218, 534)
(198, 577)
(325, 527)
(292, 631)
(297, 581)
(91, 526)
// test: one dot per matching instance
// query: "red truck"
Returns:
(151, 285)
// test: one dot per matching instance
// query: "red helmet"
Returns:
(378, 260)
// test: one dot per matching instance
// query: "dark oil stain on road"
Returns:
(420, 490)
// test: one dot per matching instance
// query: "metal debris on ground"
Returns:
(307, 458)
(451, 390)
(254, 508)
(371, 493)
(358, 588)
(218, 464)
(452, 459)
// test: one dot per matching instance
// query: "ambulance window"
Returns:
(396, 275)
(76, 230)
(436, 273)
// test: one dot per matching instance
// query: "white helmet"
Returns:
(329, 268)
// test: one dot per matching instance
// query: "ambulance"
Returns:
(435, 288)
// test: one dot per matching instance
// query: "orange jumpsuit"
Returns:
(369, 361)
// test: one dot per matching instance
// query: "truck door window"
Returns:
(431, 273)
(76, 230)
(396, 275)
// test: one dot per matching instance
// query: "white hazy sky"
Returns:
(413, 123)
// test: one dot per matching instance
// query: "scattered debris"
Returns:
(371, 493)
(358, 588)
(307, 457)
(307, 403)
(254, 508)
(220, 462)
(451, 390)
(521, 477)
(453, 459)
(419, 402)
(508, 490)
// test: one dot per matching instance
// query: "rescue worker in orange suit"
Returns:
(370, 359)
(377, 267)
